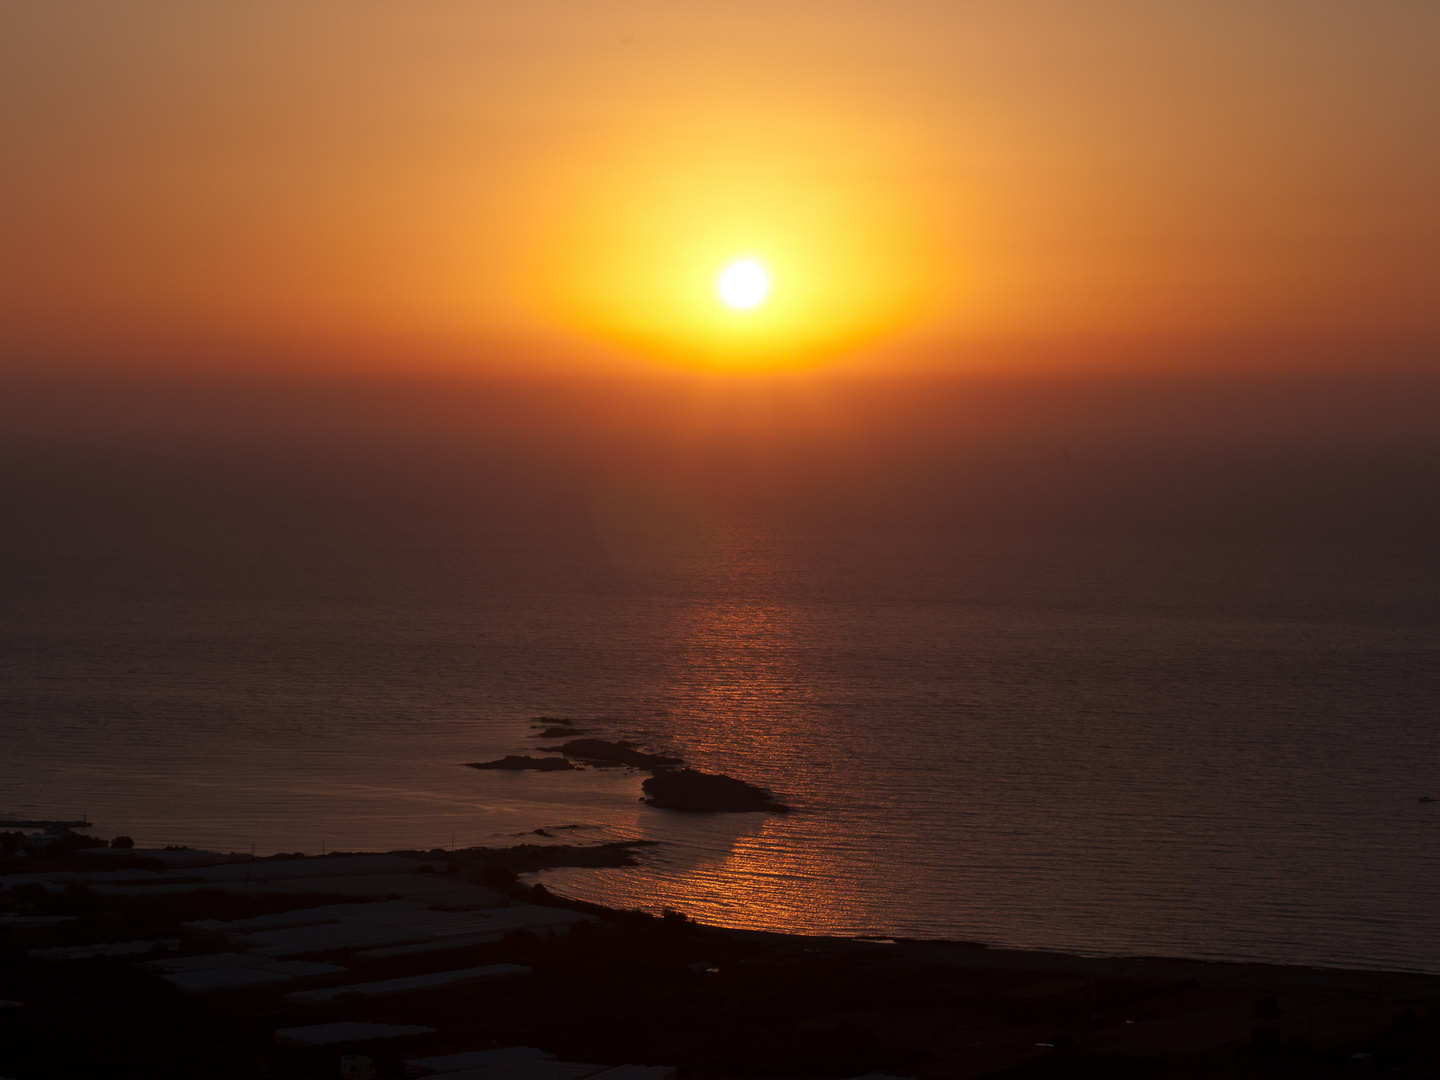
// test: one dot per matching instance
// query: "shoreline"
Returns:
(452, 954)
(1024, 958)
(525, 859)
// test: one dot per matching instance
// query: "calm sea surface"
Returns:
(1164, 744)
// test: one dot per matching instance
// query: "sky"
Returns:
(1017, 186)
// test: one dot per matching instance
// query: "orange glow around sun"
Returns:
(650, 250)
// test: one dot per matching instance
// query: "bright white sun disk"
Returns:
(744, 284)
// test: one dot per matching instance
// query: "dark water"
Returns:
(1181, 723)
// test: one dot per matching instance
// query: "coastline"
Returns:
(606, 985)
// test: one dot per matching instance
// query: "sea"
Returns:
(1111, 695)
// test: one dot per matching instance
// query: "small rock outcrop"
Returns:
(613, 753)
(556, 727)
(690, 789)
(516, 762)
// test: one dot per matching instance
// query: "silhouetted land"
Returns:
(612, 753)
(690, 789)
(716, 1003)
(668, 788)
(518, 762)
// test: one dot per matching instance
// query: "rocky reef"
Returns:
(690, 789)
(556, 727)
(613, 753)
(518, 763)
(668, 788)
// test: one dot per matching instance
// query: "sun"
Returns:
(743, 284)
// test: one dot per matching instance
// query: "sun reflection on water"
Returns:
(741, 692)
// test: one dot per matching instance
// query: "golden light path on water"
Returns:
(735, 686)
(738, 677)
(741, 688)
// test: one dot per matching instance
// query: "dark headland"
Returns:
(210, 956)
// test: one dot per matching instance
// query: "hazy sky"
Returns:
(557, 183)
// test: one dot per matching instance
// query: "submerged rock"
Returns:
(515, 761)
(690, 789)
(556, 727)
(614, 753)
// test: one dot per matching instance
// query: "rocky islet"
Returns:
(667, 788)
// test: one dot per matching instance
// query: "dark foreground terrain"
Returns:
(634, 988)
